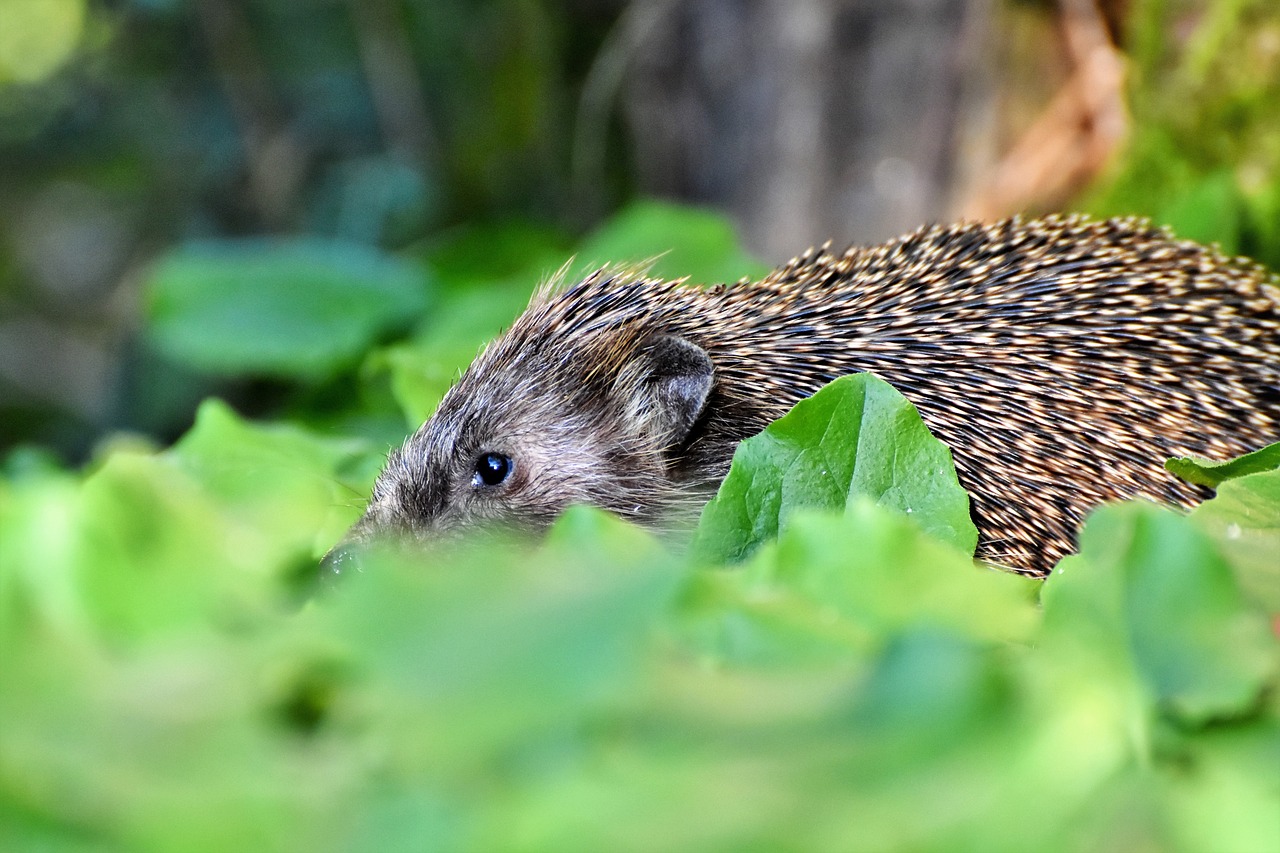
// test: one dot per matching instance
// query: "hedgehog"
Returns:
(1061, 359)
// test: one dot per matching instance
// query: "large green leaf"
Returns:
(137, 690)
(299, 309)
(857, 437)
(1151, 602)
(1244, 518)
(1227, 800)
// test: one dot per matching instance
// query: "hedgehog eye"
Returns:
(491, 469)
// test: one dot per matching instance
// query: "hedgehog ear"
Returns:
(666, 388)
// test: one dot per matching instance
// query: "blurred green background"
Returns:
(307, 206)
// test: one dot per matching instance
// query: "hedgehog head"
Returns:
(561, 410)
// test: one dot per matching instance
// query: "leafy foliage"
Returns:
(171, 681)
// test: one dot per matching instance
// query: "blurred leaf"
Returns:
(1244, 518)
(38, 36)
(678, 241)
(1201, 648)
(1206, 472)
(301, 309)
(1225, 796)
(839, 584)
(877, 565)
(126, 556)
(152, 551)
(29, 461)
(927, 690)
(857, 437)
(39, 576)
(280, 478)
(480, 255)
(1204, 92)
(114, 746)
(1150, 589)
(140, 621)
(564, 627)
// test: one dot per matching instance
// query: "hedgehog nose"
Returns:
(342, 559)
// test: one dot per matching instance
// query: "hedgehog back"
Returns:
(1061, 359)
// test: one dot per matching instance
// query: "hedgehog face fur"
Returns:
(1061, 359)
(534, 426)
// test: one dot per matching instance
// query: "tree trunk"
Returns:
(808, 120)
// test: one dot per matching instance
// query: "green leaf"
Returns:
(40, 37)
(1206, 472)
(153, 552)
(674, 242)
(1228, 801)
(1198, 645)
(300, 309)
(1244, 518)
(928, 688)
(39, 572)
(286, 483)
(1151, 592)
(477, 256)
(833, 584)
(857, 437)
(488, 644)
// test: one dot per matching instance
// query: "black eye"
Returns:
(492, 469)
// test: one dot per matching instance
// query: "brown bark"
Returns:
(807, 120)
